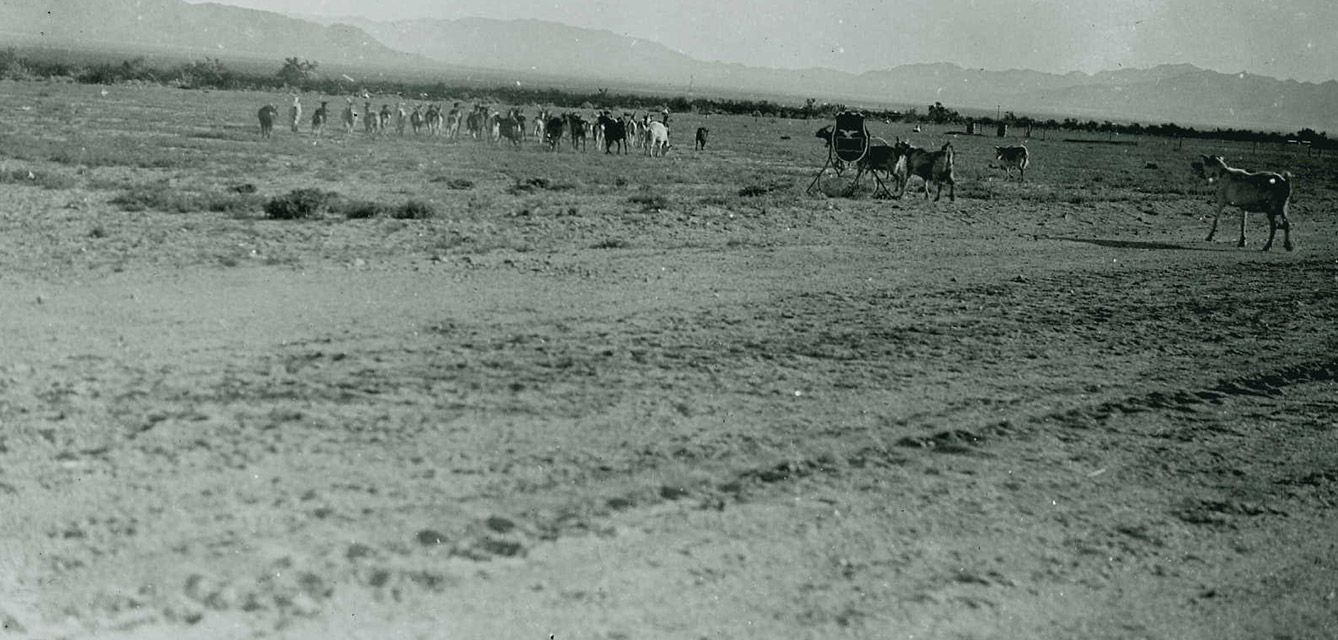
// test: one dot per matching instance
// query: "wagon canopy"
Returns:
(850, 138)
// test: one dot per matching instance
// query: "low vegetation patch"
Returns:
(44, 179)
(457, 184)
(539, 184)
(650, 201)
(314, 203)
(162, 196)
(755, 190)
(612, 243)
(414, 210)
(299, 204)
(361, 209)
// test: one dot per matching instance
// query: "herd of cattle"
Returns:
(1263, 192)
(614, 134)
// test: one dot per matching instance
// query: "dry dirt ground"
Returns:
(600, 397)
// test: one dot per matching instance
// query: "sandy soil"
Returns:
(996, 418)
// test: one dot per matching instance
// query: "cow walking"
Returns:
(1013, 158)
(931, 166)
(1263, 192)
(657, 139)
(319, 118)
(553, 132)
(267, 114)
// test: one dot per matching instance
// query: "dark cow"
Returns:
(931, 166)
(702, 132)
(416, 119)
(553, 132)
(889, 159)
(320, 117)
(1013, 158)
(615, 133)
(576, 127)
(511, 127)
(267, 114)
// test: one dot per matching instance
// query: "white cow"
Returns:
(657, 139)
(295, 113)
(1265, 192)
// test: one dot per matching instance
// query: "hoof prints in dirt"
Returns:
(1263, 385)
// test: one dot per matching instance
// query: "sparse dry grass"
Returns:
(678, 375)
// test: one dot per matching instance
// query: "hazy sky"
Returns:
(1281, 38)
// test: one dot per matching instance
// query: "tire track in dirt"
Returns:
(447, 398)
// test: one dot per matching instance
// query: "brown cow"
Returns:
(267, 114)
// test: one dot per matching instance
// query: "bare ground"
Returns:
(1008, 417)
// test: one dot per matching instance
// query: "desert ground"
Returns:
(581, 396)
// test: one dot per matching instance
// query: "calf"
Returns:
(702, 132)
(1263, 192)
(930, 166)
(1012, 158)
(657, 139)
(267, 114)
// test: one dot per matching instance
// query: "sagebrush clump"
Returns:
(300, 204)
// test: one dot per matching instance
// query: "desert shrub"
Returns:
(300, 203)
(361, 209)
(414, 210)
(754, 190)
(539, 184)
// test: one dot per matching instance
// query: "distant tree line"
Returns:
(212, 73)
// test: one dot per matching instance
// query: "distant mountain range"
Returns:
(532, 49)
(175, 27)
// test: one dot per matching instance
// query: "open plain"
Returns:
(629, 397)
